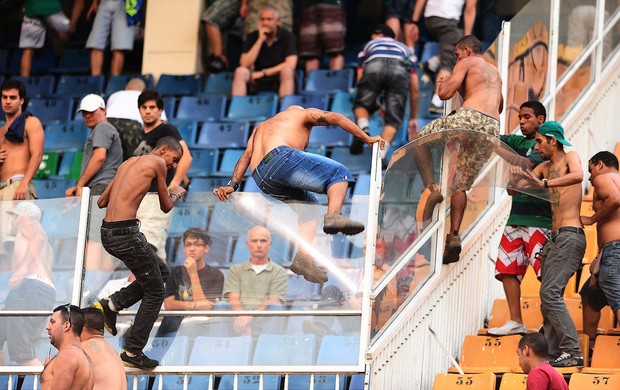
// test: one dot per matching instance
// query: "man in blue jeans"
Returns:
(121, 237)
(283, 170)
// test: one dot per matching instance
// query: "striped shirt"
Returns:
(386, 48)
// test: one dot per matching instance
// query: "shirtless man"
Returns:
(70, 369)
(108, 367)
(562, 255)
(21, 144)
(282, 138)
(605, 179)
(121, 237)
(479, 83)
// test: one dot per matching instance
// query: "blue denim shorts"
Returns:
(609, 274)
(111, 19)
(289, 174)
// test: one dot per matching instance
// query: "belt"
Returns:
(567, 229)
(7, 183)
(268, 157)
(122, 228)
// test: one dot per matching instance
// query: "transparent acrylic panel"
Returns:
(528, 59)
(571, 91)
(37, 261)
(613, 37)
(577, 26)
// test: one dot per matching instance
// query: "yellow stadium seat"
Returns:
(571, 288)
(606, 355)
(513, 381)
(484, 381)
(489, 354)
(581, 381)
(530, 313)
(530, 286)
(576, 312)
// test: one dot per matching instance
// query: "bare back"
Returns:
(32, 250)
(565, 201)
(71, 369)
(109, 369)
(607, 229)
(18, 153)
(482, 86)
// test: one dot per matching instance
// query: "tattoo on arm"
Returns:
(320, 119)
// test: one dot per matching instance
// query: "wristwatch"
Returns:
(232, 184)
(545, 183)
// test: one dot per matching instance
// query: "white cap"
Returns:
(90, 103)
(28, 209)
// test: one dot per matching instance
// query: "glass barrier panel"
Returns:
(575, 86)
(577, 23)
(613, 37)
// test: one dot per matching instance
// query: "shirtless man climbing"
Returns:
(71, 368)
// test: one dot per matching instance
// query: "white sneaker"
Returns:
(510, 327)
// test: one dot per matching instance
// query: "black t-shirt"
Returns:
(179, 283)
(275, 54)
(148, 142)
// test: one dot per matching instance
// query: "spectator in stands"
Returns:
(21, 144)
(481, 87)
(398, 14)
(250, 13)
(31, 285)
(155, 223)
(533, 351)
(561, 257)
(281, 169)
(605, 289)
(193, 286)
(102, 153)
(322, 30)
(528, 226)
(70, 368)
(441, 19)
(111, 22)
(257, 284)
(107, 366)
(269, 58)
(124, 114)
(39, 15)
(385, 68)
(121, 237)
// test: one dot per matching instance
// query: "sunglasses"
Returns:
(68, 307)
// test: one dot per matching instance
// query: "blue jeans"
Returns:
(561, 257)
(124, 240)
(609, 274)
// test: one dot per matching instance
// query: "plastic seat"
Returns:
(530, 313)
(184, 217)
(605, 356)
(356, 163)
(576, 312)
(300, 289)
(48, 166)
(324, 80)
(170, 351)
(52, 188)
(530, 285)
(204, 162)
(343, 103)
(59, 137)
(329, 136)
(252, 108)
(319, 101)
(480, 354)
(188, 130)
(431, 49)
(250, 185)
(224, 135)
(74, 60)
(71, 165)
(484, 381)
(362, 185)
(229, 160)
(513, 381)
(221, 351)
(76, 86)
(118, 82)
(180, 85)
(170, 104)
(201, 108)
(38, 86)
(48, 110)
(584, 381)
(219, 83)
(206, 184)
(338, 351)
(60, 223)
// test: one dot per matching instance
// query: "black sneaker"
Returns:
(357, 146)
(216, 64)
(109, 316)
(567, 360)
(138, 361)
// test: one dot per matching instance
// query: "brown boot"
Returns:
(336, 223)
(430, 197)
(304, 265)
(453, 249)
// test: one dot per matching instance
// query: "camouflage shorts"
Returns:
(131, 133)
(474, 148)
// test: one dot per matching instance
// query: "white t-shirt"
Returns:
(447, 9)
(124, 105)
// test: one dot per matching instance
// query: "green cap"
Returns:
(555, 130)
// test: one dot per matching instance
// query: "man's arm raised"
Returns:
(224, 192)
(167, 200)
(449, 85)
(326, 118)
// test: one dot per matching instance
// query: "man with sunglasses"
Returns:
(71, 368)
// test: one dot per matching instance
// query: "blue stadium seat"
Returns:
(48, 110)
(324, 80)
(170, 105)
(228, 221)
(51, 188)
(357, 382)
(319, 101)
(74, 60)
(224, 135)
(329, 136)
(356, 163)
(206, 184)
(300, 289)
(204, 162)
(38, 86)
(343, 104)
(185, 217)
(76, 86)
(71, 164)
(229, 160)
(170, 351)
(180, 85)
(431, 49)
(118, 82)
(280, 251)
(321, 150)
(219, 83)
(222, 351)
(61, 137)
(250, 185)
(362, 185)
(63, 281)
(252, 108)
(188, 130)
(60, 223)
(335, 351)
(201, 108)
(42, 61)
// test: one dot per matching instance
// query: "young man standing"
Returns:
(121, 237)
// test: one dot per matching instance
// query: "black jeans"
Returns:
(124, 240)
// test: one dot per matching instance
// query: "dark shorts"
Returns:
(609, 274)
(401, 9)
(322, 29)
(594, 296)
(390, 77)
(448, 33)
